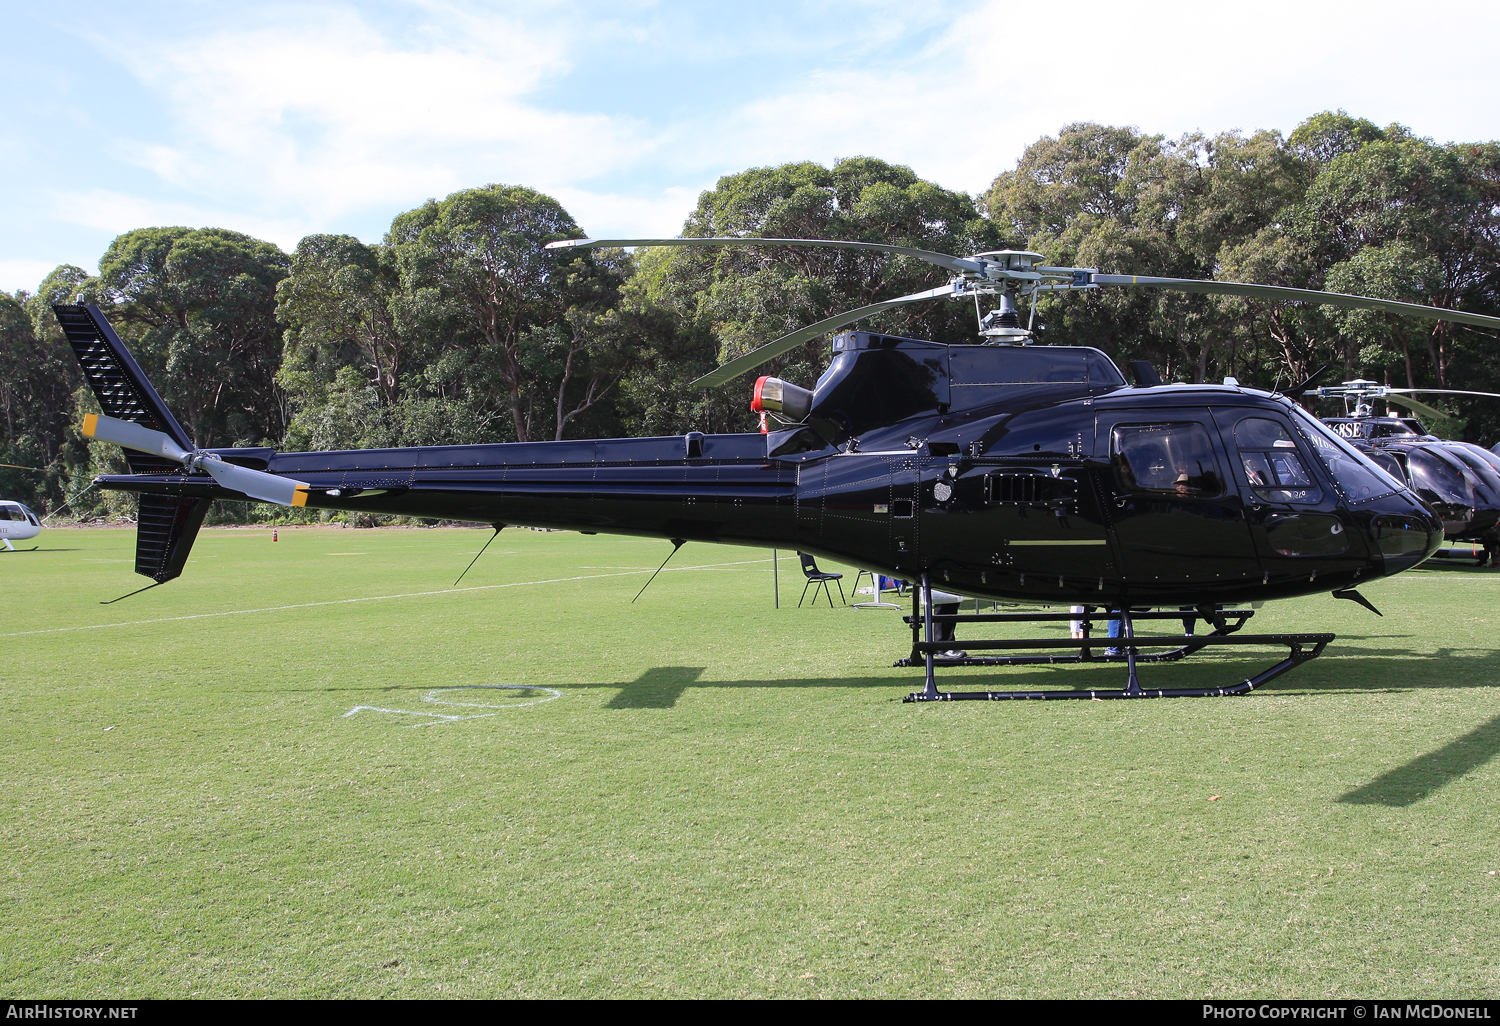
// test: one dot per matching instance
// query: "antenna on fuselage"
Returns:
(677, 543)
(498, 528)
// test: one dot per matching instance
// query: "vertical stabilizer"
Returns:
(118, 383)
(166, 524)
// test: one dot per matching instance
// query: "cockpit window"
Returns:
(1436, 480)
(1177, 459)
(1479, 467)
(11, 513)
(1483, 453)
(1271, 464)
(1388, 463)
(1354, 473)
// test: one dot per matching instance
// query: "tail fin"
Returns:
(166, 524)
(118, 383)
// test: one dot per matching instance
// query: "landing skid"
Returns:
(925, 651)
(1478, 558)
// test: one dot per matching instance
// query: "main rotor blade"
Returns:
(1235, 288)
(1421, 408)
(946, 260)
(134, 436)
(1443, 391)
(744, 364)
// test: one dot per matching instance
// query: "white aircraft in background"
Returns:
(18, 523)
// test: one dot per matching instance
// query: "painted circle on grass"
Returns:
(551, 694)
(464, 710)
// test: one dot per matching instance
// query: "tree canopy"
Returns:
(460, 326)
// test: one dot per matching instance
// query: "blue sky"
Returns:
(285, 119)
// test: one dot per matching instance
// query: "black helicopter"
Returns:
(1459, 480)
(1034, 474)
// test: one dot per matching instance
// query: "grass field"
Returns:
(726, 799)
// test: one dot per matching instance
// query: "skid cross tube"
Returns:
(1302, 647)
(1225, 621)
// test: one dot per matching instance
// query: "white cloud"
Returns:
(322, 114)
(962, 110)
(115, 212)
(613, 215)
(23, 274)
(284, 120)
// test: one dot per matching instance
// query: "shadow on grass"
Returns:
(1409, 784)
(1371, 671)
(658, 688)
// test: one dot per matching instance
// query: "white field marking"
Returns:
(374, 598)
(439, 718)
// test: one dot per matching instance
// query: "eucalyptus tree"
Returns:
(199, 304)
(725, 302)
(1124, 201)
(501, 322)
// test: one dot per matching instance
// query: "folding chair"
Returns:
(817, 577)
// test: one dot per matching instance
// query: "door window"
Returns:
(1272, 466)
(1173, 459)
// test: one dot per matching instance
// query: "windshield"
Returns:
(1482, 463)
(1437, 480)
(1482, 453)
(1356, 475)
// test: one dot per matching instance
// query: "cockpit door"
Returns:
(1176, 518)
(1293, 513)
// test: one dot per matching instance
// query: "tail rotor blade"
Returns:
(256, 483)
(134, 436)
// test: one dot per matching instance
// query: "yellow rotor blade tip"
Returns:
(90, 425)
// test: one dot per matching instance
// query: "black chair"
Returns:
(816, 577)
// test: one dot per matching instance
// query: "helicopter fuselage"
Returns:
(17, 523)
(1031, 474)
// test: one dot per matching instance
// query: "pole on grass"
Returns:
(775, 579)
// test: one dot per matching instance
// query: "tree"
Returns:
(200, 307)
(1117, 199)
(39, 379)
(723, 303)
(501, 320)
(1403, 218)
